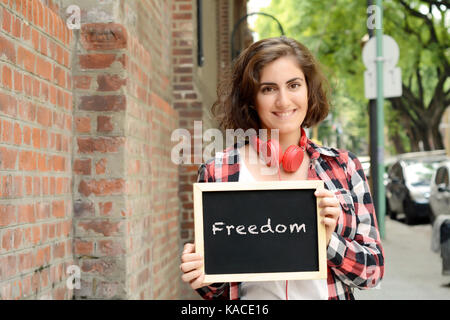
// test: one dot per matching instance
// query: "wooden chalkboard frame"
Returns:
(199, 188)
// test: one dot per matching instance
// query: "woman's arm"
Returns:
(358, 262)
(215, 290)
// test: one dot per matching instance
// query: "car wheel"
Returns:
(409, 212)
(389, 212)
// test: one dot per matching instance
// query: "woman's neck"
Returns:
(285, 140)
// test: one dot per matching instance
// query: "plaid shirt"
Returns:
(355, 256)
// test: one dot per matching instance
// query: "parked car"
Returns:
(440, 191)
(408, 187)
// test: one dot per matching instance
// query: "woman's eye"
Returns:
(267, 89)
(294, 85)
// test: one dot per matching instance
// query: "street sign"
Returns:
(392, 86)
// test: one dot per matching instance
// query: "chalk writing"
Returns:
(219, 227)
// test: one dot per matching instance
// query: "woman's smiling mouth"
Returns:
(286, 114)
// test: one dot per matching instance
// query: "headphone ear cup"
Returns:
(293, 158)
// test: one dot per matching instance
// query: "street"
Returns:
(412, 270)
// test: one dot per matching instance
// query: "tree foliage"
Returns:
(334, 31)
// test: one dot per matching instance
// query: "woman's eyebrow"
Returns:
(273, 83)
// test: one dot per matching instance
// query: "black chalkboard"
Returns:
(262, 231)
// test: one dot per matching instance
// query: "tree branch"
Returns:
(424, 17)
(437, 3)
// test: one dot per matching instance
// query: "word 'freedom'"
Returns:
(218, 227)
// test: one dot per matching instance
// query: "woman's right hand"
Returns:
(191, 264)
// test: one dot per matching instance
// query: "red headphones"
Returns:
(271, 151)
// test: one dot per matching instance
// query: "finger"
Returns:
(198, 283)
(189, 248)
(328, 202)
(332, 212)
(323, 193)
(187, 257)
(190, 276)
(189, 266)
(329, 222)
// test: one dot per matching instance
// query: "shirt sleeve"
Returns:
(358, 261)
(216, 291)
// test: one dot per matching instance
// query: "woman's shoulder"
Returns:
(228, 157)
(345, 157)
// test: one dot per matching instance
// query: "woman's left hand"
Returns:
(331, 210)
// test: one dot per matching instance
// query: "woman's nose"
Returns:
(282, 98)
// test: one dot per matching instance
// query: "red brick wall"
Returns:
(35, 151)
(99, 170)
(86, 176)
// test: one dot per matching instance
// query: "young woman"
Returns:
(277, 84)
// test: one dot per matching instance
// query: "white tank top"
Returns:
(276, 290)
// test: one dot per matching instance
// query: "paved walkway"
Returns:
(412, 270)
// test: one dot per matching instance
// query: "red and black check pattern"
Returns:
(355, 255)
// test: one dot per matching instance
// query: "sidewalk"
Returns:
(412, 270)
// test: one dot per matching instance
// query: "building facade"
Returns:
(91, 204)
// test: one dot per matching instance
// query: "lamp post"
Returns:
(234, 52)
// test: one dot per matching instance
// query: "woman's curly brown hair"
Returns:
(237, 91)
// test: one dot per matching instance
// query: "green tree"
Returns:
(334, 30)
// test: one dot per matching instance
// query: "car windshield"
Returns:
(419, 173)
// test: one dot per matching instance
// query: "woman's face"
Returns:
(282, 98)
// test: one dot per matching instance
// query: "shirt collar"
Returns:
(314, 151)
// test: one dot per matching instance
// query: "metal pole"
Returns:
(381, 205)
(373, 135)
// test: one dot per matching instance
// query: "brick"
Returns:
(36, 136)
(26, 59)
(7, 49)
(17, 134)
(7, 240)
(59, 76)
(7, 135)
(104, 124)
(44, 68)
(59, 250)
(58, 209)
(8, 104)
(18, 79)
(6, 25)
(42, 211)
(103, 36)
(102, 187)
(103, 103)
(82, 82)
(82, 166)
(83, 208)
(44, 116)
(84, 247)
(16, 27)
(96, 61)
(59, 163)
(105, 208)
(100, 166)
(7, 79)
(110, 247)
(25, 213)
(104, 227)
(101, 144)
(8, 158)
(27, 160)
(83, 124)
(107, 82)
